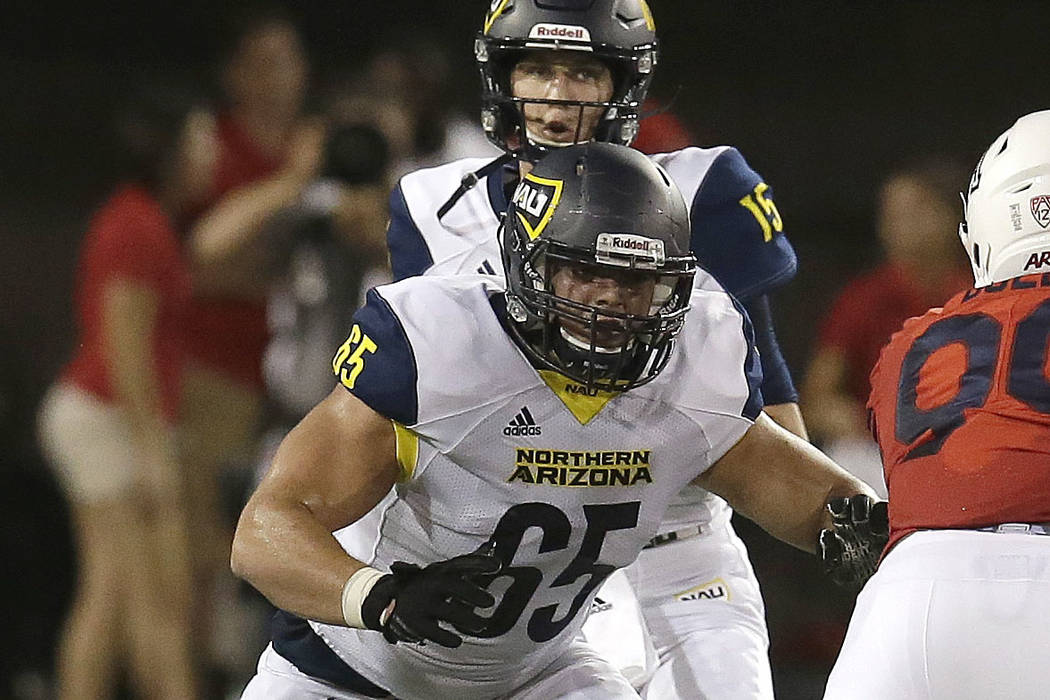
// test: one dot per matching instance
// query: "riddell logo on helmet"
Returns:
(619, 248)
(629, 244)
(560, 31)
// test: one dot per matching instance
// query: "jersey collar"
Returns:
(583, 404)
(495, 183)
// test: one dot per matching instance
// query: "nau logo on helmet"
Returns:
(496, 8)
(1041, 210)
(535, 200)
(559, 31)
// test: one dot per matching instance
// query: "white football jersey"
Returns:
(568, 484)
(732, 237)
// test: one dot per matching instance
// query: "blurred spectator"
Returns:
(918, 215)
(414, 72)
(107, 423)
(328, 250)
(268, 153)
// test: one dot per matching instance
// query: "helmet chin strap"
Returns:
(470, 180)
(586, 347)
(547, 143)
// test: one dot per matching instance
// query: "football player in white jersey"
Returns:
(434, 528)
(555, 72)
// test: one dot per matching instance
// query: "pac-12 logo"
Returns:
(1041, 210)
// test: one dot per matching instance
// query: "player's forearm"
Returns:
(781, 482)
(798, 516)
(288, 556)
(329, 471)
(789, 417)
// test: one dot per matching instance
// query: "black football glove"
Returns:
(421, 598)
(850, 549)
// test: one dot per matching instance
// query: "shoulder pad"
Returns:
(377, 362)
(737, 230)
(437, 349)
(409, 253)
(417, 239)
(718, 333)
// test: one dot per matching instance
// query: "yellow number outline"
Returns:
(349, 360)
(764, 210)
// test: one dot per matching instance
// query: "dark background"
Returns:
(823, 98)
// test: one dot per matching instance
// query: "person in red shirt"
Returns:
(916, 226)
(268, 154)
(960, 408)
(107, 423)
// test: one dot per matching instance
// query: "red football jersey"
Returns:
(960, 407)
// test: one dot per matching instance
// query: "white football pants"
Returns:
(704, 615)
(578, 674)
(951, 615)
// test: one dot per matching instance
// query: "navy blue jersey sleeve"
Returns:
(752, 368)
(409, 253)
(376, 363)
(737, 232)
(777, 385)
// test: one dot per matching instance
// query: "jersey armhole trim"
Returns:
(407, 451)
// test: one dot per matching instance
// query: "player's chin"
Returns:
(555, 139)
(604, 339)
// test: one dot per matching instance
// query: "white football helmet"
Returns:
(1007, 228)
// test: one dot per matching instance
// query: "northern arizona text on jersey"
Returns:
(565, 505)
(737, 231)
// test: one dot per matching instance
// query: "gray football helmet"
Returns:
(614, 212)
(621, 33)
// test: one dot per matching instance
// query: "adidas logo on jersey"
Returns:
(522, 424)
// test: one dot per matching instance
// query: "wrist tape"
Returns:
(355, 590)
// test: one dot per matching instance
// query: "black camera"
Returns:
(356, 154)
